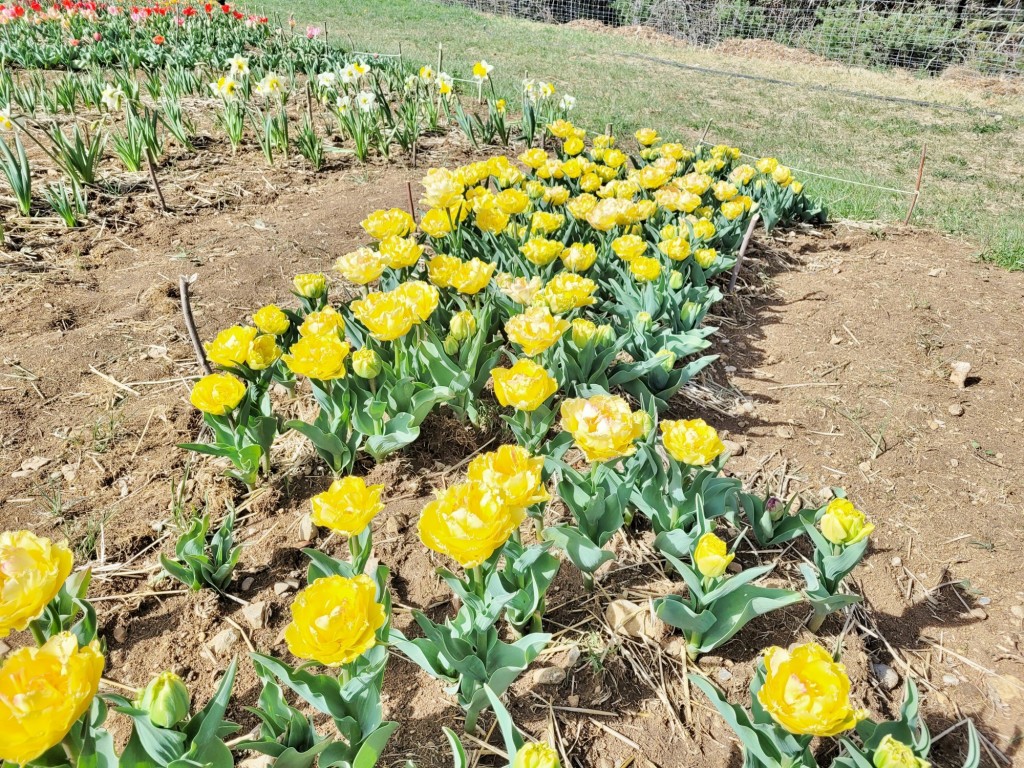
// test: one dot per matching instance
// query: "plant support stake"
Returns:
(917, 186)
(190, 323)
(743, 249)
(412, 205)
(156, 184)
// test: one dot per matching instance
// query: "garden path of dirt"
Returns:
(834, 369)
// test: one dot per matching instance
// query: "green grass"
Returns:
(972, 176)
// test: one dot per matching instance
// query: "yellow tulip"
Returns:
(646, 136)
(335, 620)
(271, 319)
(691, 441)
(645, 269)
(535, 330)
(385, 315)
(217, 394)
(347, 506)
(806, 692)
(767, 165)
(732, 209)
(512, 201)
(541, 251)
(536, 755)
(629, 247)
(318, 357)
(512, 473)
(742, 174)
(653, 177)
(533, 158)
(703, 229)
(231, 346)
(705, 257)
(581, 205)
(603, 426)
(673, 199)
(489, 217)
(711, 556)
(325, 322)
(611, 213)
(561, 129)
(782, 175)
(579, 257)
(614, 158)
(382, 224)
(572, 146)
(472, 276)
(361, 266)
(441, 187)
(421, 298)
(724, 191)
(263, 352)
(567, 291)
(545, 222)
(556, 196)
(436, 222)
(310, 286)
(844, 524)
(677, 249)
(43, 692)
(440, 269)
(891, 753)
(400, 252)
(519, 289)
(32, 571)
(468, 523)
(525, 386)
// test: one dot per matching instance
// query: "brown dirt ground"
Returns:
(834, 371)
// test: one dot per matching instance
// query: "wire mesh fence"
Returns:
(986, 36)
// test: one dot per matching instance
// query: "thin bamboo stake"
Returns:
(917, 186)
(156, 184)
(412, 205)
(190, 324)
(743, 250)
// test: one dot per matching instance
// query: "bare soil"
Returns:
(834, 370)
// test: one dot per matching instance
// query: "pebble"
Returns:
(572, 656)
(724, 675)
(307, 529)
(958, 373)
(1018, 611)
(573, 700)
(896, 562)
(784, 431)
(886, 675)
(549, 676)
(256, 614)
(950, 680)
(284, 586)
(247, 583)
(956, 410)
(223, 641)
(984, 601)
(120, 633)
(733, 448)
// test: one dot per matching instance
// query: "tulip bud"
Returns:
(451, 345)
(462, 326)
(538, 755)
(644, 321)
(668, 359)
(688, 313)
(310, 286)
(165, 699)
(675, 279)
(775, 508)
(366, 363)
(895, 754)
(605, 334)
(583, 332)
(711, 556)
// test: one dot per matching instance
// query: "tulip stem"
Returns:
(817, 619)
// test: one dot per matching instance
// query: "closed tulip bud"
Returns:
(895, 754)
(675, 279)
(843, 524)
(688, 313)
(583, 332)
(366, 363)
(711, 556)
(310, 286)
(644, 321)
(604, 335)
(166, 699)
(536, 756)
(668, 359)
(775, 508)
(462, 326)
(451, 345)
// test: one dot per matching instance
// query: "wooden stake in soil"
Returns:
(705, 134)
(917, 186)
(190, 324)
(743, 250)
(440, 57)
(156, 184)
(309, 102)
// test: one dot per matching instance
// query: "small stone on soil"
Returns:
(223, 641)
(886, 675)
(256, 614)
(733, 448)
(956, 410)
(247, 583)
(959, 372)
(549, 676)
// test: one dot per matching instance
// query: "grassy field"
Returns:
(974, 137)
